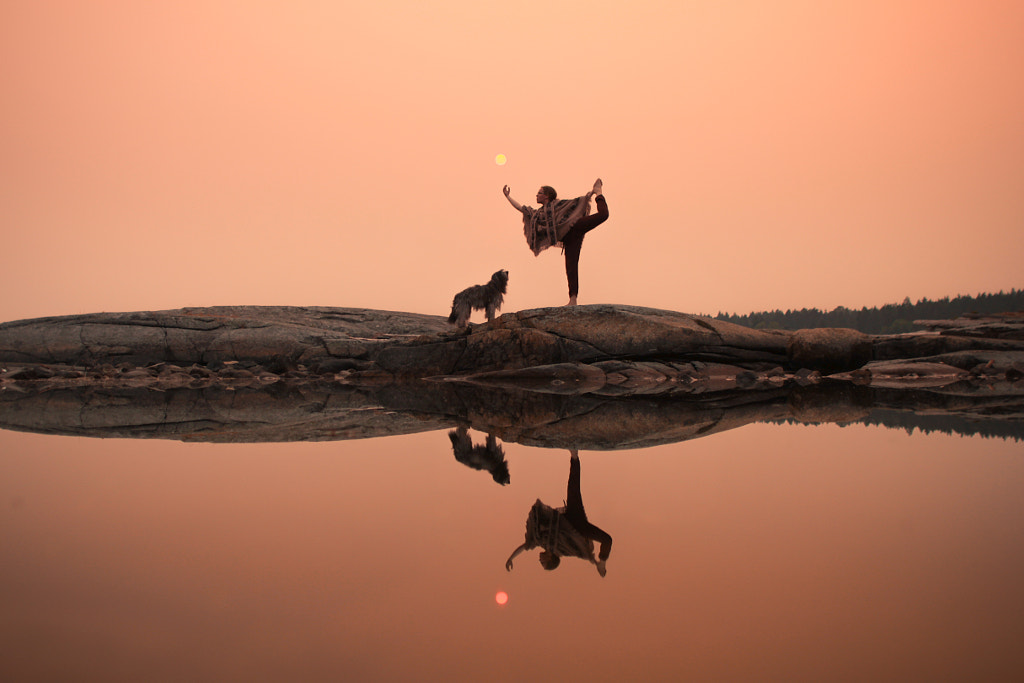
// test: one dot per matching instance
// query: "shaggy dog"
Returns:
(490, 457)
(485, 298)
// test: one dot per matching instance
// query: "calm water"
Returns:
(767, 553)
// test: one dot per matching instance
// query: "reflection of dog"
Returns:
(485, 298)
(489, 458)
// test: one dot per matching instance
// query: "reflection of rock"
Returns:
(282, 412)
(594, 376)
(839, 403)
(325, 410)
(631, 378)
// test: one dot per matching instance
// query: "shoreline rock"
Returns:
(532, 367)
(611, 345)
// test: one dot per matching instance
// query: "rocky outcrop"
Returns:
(604, 376)
(829, 349)
(263, 334)
(376, 345)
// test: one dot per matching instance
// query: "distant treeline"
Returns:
(889, 319)
(946, 424)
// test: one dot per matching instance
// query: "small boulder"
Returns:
(829, 350)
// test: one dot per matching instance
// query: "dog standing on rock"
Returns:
(486, 298)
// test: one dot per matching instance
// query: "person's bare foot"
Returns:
(572, 301)
(598, 186)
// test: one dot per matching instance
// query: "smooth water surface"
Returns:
(767, 553)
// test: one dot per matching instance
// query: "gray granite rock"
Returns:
(207, 335)
(598, 376)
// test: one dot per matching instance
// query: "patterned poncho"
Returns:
(547, 527)
(546, 226)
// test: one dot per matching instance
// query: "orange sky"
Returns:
(755, 155)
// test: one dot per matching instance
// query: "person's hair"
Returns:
(549, 560)
(549, 191)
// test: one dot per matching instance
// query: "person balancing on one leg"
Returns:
(562, 221)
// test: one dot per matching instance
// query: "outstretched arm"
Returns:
(507, 191)
(508, 562)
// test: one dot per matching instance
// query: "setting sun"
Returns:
(501, 597)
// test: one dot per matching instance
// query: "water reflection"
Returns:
(565, 531)
(315, 411)
(766, 553)
(771, 552)
(490, 457)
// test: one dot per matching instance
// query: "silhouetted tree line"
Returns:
(889, 319)
(947, 424)
(926, 424)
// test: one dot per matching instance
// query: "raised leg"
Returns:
(573, 243)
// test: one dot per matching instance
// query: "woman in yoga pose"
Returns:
(562, 221)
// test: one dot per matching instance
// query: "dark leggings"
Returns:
(574, 506)
(573, 242)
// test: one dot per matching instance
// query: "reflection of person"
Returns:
(564, 221)
(564, 532)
